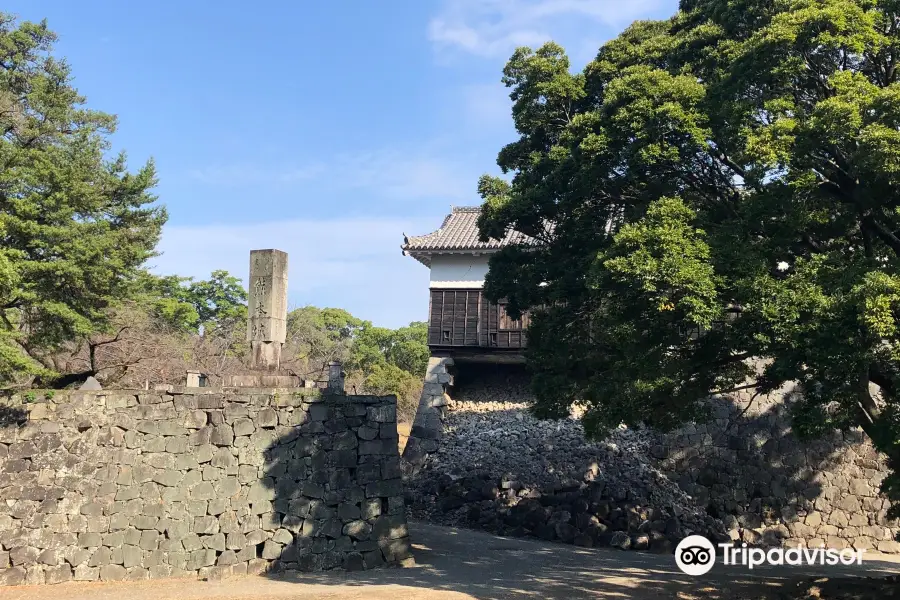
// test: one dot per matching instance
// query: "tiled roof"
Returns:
(459, 231)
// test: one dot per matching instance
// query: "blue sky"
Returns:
(324, 129)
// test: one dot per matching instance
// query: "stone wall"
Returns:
(750, 470)
(481, 460)
(113, 485)
(427, 429)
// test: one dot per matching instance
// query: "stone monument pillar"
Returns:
(335, 377)
(267, 322)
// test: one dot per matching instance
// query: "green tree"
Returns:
(219, 300)
(733, 169)
(316, 336)
(409, 350)
(166, 300)
(75, 226)
(405, 349)
(391, 361)
(187, 305)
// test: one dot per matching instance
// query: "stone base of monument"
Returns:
(265, 356)
(260, 380)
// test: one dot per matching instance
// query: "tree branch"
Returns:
(883, 233)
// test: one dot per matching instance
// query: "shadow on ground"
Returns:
(486, 567)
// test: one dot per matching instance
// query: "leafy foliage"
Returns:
(378, 360)
(187, 305)
(219, 301)
(75, 226)
(393, 361)
(732, 170)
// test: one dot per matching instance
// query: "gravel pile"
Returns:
(498, 468)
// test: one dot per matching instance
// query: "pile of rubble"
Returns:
(501, 470)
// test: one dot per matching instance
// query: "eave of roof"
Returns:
(458, 234)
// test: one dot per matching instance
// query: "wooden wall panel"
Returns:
(466, 318)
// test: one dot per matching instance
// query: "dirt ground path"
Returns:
(456, 564)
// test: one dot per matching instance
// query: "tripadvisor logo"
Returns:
(696, 555)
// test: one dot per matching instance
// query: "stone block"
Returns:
(204, 453)
(383, 414)
(149, 540)
(160, 572)
(203, 491)
(201, 558)
(206, 525)
(348, 512)
(178, 445)
(267, 418)
(92, 509)
(243, 426)
(283, 536)
(378, 447)
(50, 557)
(235, 541)
(214, 542)
(132, 556)
(217, 506)
(112, 573)
(271, 550)
(57, 574)
(89, 540)
(137, 574)
(319, 412)
(195, 419)
(101, 556)
(224, 459)
(388, 527)
(358, 530)
(34, 575)
(191, 542)
(227, 487)
(367, 433)
(370, 508)
(142, 522)
(395, 551)
(257, 566)
(373, 559)
(384, 489)
(13, 576)
(222, 435)
(85, 573)
(246, 554)
(862, 543)
(262, 491)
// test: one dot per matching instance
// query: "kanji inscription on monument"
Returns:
(267, 322)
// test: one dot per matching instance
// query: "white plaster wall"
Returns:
(458, 271)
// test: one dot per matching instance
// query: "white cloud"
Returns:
(409, 174)
(406, 175)
(493, 28)
(245, 174)
(354, 264)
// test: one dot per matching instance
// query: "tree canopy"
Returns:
(378, 360)
(75, 225)
(733, 170)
